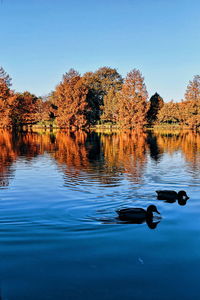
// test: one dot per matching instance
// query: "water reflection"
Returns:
(170, 196)
(8, 156)
(104, 158)
(188, 142)
(181, 202)
(155, 151)
(152, 224)
(126, 152)
(62, 187)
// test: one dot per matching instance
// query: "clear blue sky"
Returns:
(41, 39)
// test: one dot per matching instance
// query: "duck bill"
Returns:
(157, 212)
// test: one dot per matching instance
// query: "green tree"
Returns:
(99, 83)
(156, 103)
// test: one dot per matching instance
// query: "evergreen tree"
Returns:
(156, 103)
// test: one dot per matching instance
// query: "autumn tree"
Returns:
(193, 115)
(169, 113)
(7, 99)
(47, 109)
(156, 103)
(193, 90)
(132, 101)
(5, 77)
(109, 109)
(192, 103)
(70, 97)
(99, 83)
(26, 109)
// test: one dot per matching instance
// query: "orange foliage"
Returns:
(7, 100)
(71, 98)
(25, 109)
(132, 101)
(104, 96)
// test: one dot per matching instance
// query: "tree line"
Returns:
(100, 97)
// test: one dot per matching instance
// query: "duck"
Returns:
(172, 196)
(137, 215)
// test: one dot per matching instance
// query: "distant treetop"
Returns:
(193, 89)
(5, 77)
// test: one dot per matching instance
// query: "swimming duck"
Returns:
(137, 215)
(172, 196)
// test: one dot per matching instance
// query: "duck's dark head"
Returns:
(152, 208)
(182, 195)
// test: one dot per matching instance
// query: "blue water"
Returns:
(59, 233)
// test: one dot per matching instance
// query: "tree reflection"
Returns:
(126, 152)
(7, 156)
(188, 142)
(154, 149)
(103, 158)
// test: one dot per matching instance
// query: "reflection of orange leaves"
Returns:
(102, 156)
(186, 141)
(7, 156)
(71, 150)
(126, 151)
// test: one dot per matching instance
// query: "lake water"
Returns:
(59, 233)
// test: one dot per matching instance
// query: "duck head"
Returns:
(152, 208)
(182, 195)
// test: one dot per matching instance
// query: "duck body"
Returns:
(171, 196)
(125, 214)
(137, 214)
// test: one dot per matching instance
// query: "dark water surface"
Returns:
(59, 235)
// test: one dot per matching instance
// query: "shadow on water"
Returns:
(181, 202)
(152, 224)
(155, 151)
